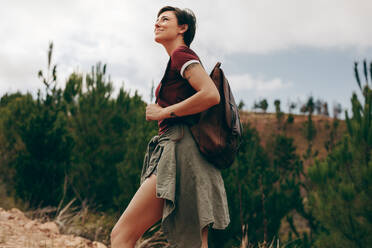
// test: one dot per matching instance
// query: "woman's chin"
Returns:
(158, 39)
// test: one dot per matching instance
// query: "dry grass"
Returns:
(153, 238)
(77, 220)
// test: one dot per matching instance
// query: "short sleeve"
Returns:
(181, 58)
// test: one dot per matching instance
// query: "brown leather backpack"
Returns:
(218, 130)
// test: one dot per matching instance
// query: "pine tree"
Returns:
(43, 152)
(110, 135)
(309, 130)
(263, 187)
(278, 113)
(342, 197)
(264, 105)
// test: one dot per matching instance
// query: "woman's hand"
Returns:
(155, 113)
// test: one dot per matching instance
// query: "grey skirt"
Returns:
(193, 189)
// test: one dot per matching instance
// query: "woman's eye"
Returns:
(162, 19)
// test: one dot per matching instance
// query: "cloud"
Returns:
(249, 89)
(268, 25)
(245, 82)
(120, 33)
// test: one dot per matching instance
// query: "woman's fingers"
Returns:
(153, 112)
(149, 112)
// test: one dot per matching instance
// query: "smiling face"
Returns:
(167, 28)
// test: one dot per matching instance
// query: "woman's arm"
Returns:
(205, 97)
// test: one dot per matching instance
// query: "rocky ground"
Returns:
(18, 231)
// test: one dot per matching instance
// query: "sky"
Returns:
(269, 49)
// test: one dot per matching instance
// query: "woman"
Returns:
(178, 185)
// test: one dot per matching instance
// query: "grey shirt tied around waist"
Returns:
(193, 189)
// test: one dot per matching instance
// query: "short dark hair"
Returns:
(184, 16)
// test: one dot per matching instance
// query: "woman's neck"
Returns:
(170, 47)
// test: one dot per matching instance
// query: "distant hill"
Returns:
(267, 124)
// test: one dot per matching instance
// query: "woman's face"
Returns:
(166, 27)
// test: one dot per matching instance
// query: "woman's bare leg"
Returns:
(205, 237)
(144, 210)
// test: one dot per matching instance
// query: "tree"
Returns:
(333, 133)
(110, 135)
(79, 141)
(279, 114)
(292, 106)
(263, 188)
(325, 109)
(318, 106)
(264, 105)
(337, 110)
(39, 128)
(15, 109)
(309, 130)
(341, 198)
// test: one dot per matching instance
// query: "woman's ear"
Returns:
(183, 28)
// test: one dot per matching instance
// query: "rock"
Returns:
(30, 224)
(17, 214)
(75, 242)
(5, 216)
(97, 244)
(17, 231)
(49, 227)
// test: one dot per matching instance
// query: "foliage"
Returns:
(290, 118)
(83, 142)
(110, 136)
(341, 196)
(262, 104)
(278, 113)
(263, 188)
(79, 141)
(331, 142)
(309, 130)
(37, 129)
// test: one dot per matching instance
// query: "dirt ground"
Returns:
(18, 231)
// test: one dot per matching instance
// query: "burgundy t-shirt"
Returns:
(173, 88)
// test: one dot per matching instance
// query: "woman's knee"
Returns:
(114, 233)
(137, 218)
